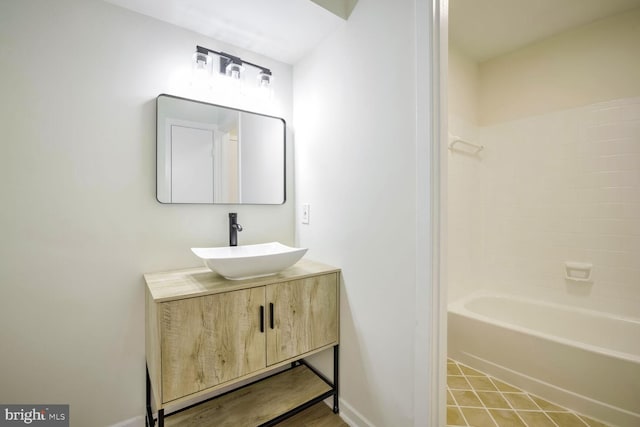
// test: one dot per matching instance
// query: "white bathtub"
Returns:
(585, 360)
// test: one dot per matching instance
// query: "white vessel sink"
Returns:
(249, 261)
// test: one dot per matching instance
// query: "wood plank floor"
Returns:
(319, 415)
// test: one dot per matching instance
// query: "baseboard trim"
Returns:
(352, 417)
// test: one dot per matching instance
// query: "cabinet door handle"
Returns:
(271, 315)
(262, 318)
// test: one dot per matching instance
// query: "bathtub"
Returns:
(585, 360)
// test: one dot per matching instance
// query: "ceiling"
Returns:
(286, 29)
(280, 29)
(483, 29)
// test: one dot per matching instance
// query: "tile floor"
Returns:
(476, 399)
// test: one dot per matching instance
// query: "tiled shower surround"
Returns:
(475, 399)
(562, 186)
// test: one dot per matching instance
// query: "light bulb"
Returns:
(234, 70)
(200, 68)
(201, 61)
(264, 79)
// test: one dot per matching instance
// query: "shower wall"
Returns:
(559, 178)
(564, 186)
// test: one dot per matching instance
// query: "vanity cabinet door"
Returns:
(302, 316)
(209, 340)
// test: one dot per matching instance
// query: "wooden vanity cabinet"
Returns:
(204, 332)
(210, 340)
(302, 316)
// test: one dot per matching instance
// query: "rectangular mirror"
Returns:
(208, 153)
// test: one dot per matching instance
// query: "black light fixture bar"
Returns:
(227, 58)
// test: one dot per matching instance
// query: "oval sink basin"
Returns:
(249, 261)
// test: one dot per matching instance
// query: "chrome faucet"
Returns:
(234, 227)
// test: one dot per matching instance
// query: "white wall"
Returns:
(355, 121)
(79, 220)
(591, 63)
(262, 158)
(462, 86)
(464, 231)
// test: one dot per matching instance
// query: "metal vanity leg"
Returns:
(150, 422)
(336, 377)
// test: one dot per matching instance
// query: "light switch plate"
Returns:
(305, 213)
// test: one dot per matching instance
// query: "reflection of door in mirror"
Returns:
(192, 159)
(204, 162)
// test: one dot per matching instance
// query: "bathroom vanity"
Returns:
(205, 333)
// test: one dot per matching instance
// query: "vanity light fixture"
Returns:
(229, 65)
